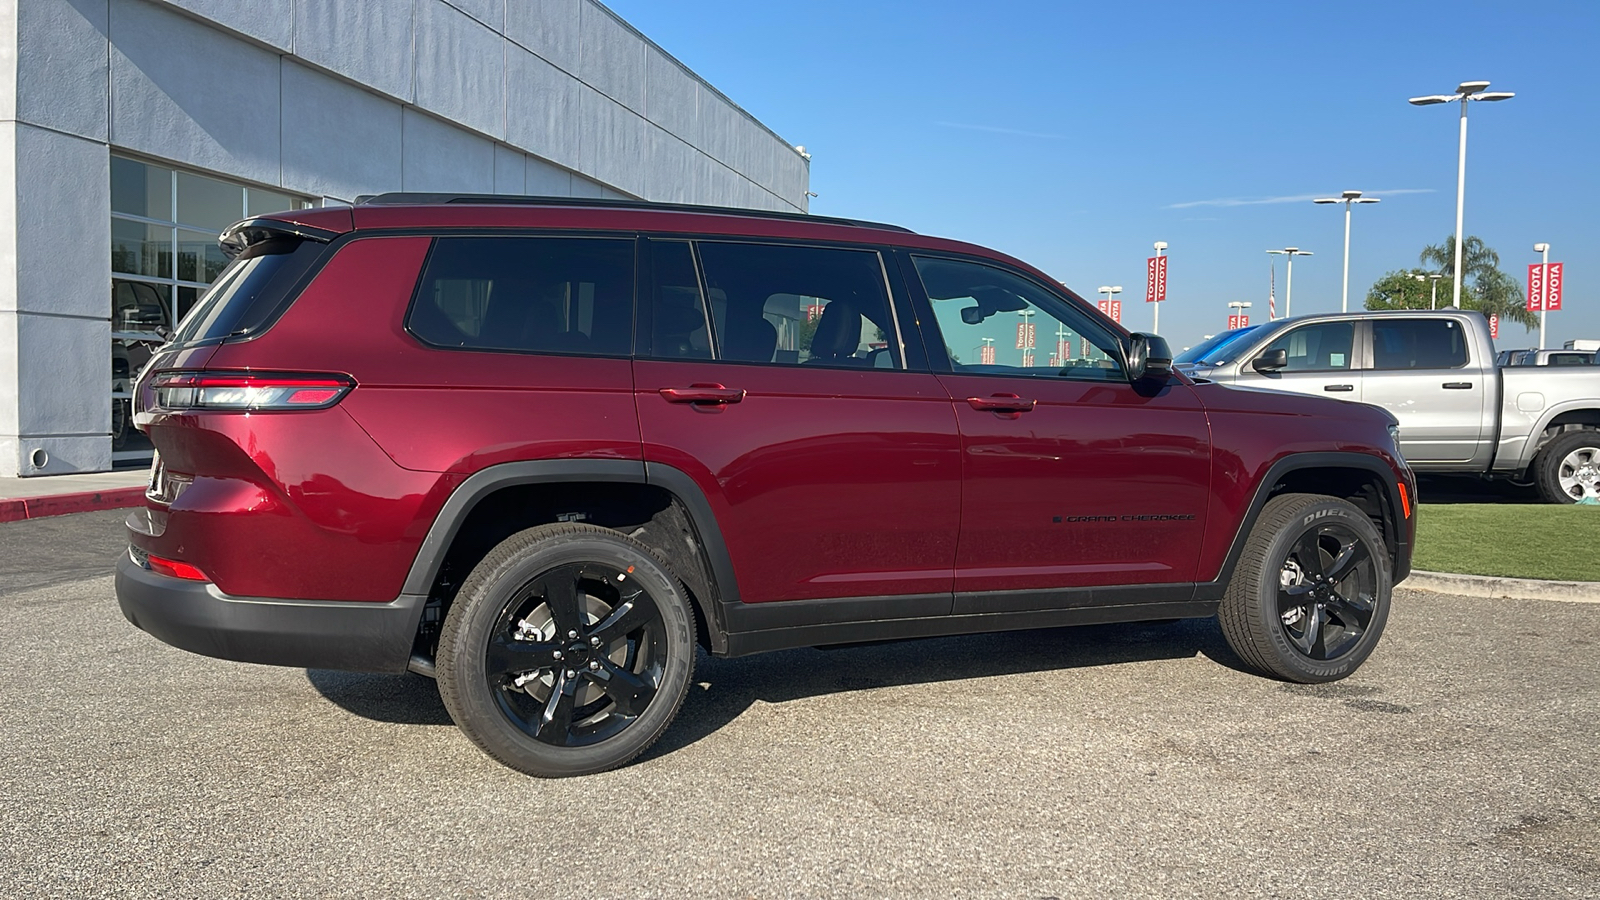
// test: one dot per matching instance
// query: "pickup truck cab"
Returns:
(1436, 372)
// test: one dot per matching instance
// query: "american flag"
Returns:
(1272, 294)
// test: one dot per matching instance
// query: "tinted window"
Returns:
(248, 291)
(679, 328)
(994, 322)
(1316, 348)
(1200, 353)
(1571, 359)
(817, 306)
(545, 295)
(1417, 344)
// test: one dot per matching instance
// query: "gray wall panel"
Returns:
(461, 68)
(268, 21)
(543, 117)
(672, 168)
(612, 142)
(672, 95)
(367, 41)
(437, 156)
(611, 57)
(63, 182)
(338, 140)
(177, 106)
(61, 65)
(548, 28)
(546, 180)
(64, 395)
(490, 12)
(510, 170)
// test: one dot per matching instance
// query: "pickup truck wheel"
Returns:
(1310, 595)
(568, 651)
(1568, 468)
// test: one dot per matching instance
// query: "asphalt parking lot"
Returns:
(1102, 761)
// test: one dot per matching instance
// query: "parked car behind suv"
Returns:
(540, 449)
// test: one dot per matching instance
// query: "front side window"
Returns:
(997, 323)
(1322, 347)
(814, 306)
(533, 294)
(1417, 344)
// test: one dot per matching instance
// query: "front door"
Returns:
(1072, 476)
(832, 466)
(1321, 362)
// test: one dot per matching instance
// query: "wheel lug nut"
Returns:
(594, 664)
(572, 673)
(572, 634)
(555, 654)
(594, 642)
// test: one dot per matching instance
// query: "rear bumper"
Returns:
(314, 634)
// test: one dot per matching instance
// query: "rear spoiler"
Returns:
(241, 235)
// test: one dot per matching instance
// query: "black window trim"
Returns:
(939, 358)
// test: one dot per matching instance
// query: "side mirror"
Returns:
(1149, 358)
(1271, 361)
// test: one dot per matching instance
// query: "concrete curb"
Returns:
(17, 509)
(1507, 588)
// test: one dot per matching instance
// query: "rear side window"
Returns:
(248, 294)
(533, 294)
(815, 306)
(1417, 344)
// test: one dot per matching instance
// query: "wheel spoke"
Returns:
(555, 722)
(1293, 597)
(1309, 553)
(560, 590)
(624, 620)
(1351, 556)
(507, 656)
(1354, 611)
(630, 692)
(1311, 630)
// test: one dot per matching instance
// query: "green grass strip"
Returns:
(1560, 543)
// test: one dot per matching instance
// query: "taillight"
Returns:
(248, 391)
(175, 569)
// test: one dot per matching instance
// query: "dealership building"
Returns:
(133, 131)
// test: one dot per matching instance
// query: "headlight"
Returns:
(1394, 435)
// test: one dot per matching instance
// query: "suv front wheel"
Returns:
(567, 651)
(1310, 595)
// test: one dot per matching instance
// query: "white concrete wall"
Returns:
(325, 98)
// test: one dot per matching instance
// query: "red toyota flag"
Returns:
(1552, 288)
(1535, 287)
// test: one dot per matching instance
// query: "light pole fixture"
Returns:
(1467, 90)
(1544, 286)
(1433, 295)
(1025, 337)
(1155, 321)
(1288, 279)
(1347, 198)
(1239, 316)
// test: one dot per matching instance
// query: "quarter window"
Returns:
(997, 323)
(817, 306)
(1317, 348)
(1417, 344)
(535, 294)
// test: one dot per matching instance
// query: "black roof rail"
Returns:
(403, 198)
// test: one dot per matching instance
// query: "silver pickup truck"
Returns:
(1436, 372)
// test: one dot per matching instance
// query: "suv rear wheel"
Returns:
(568, 651)
(1310, 596)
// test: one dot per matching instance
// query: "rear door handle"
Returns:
(703, 393)
(1338, 387)
(1458, 385)
(1001, 403)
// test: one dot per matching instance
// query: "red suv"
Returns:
(540, 449)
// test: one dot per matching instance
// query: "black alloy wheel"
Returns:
(1310, 594)
(567, 651)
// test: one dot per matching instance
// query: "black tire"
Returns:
(542, 700)
(1323, 623)
(1574, 455)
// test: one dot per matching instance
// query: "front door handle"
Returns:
(1001, 403)
(1339, 387)
(703, 393)
(1458, 385)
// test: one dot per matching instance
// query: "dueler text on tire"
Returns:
(567, 651)
(1310, 595)
(1568, 468)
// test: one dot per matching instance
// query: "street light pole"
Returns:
(1155, 323)
(1348, 197)
(1241, 306)
(1288, 279)
(1467, 90)
(1433, 297)
(1544, 286)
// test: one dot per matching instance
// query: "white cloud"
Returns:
(1295, 198)
(995, 130)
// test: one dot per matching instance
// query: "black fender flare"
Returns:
(442, 533)
(1331, 459)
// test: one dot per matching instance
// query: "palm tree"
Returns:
(1483, 286)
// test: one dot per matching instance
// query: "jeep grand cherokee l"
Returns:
(541, 448)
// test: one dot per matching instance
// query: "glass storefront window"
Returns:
(164, 254)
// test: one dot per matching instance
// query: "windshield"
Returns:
(1215, 350)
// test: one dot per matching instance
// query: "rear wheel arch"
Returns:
(657, 505)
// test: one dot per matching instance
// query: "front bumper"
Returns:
(314, 634)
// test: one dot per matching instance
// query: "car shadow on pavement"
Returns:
(1435, 488)
(724, 688)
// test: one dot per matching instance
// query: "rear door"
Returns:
(775, 376)
(1421, 372)
(1072, 476)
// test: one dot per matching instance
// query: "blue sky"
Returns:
(1075, 135)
